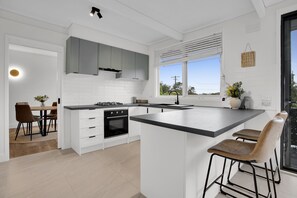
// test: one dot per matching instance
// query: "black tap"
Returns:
(177, 100)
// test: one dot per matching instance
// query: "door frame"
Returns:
(9, 39)
(279, 61)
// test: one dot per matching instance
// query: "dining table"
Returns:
(43, 114)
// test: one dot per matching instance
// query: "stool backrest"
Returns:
(283, 114)
(268, 139)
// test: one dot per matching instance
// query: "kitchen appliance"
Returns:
(109, 104)
(115, 122)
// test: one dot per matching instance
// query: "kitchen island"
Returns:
(174, 147)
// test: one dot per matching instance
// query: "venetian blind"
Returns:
(202, 47)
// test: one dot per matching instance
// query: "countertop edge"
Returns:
(195, 130)
(90, 107)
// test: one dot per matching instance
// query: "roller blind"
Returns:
(201, 47)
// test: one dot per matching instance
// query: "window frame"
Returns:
(185, 78)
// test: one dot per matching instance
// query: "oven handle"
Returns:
(113, 117)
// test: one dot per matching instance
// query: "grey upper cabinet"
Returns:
(88, 52)
(128, 64)
(104, 57)
(72, 54)
(116, 58)
(81, 56)
(85, 57)
(141, 66)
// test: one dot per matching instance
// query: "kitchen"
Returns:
(259, 28)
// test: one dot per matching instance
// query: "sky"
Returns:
(203, 74)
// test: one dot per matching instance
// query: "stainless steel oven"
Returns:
(115, 122)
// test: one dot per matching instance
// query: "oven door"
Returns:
(115, 125)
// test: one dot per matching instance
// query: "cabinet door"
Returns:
(128, 64)
(104, 57)
(88, 52)
(116, 58)
(141, 64)
(72, 54)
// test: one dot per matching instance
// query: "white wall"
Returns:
(34, 32)
(19, 26)
(261, 82)
(39, 78)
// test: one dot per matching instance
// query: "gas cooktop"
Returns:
(109, 103)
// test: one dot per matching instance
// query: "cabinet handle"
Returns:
(91, 118)
(92, 127)
(92, 136)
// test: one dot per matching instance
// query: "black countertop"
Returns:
(201, 120)
(84, 107)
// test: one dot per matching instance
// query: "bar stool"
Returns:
(247, 153)
(253, 135)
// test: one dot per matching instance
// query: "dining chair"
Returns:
(52, 117)
(24, 115)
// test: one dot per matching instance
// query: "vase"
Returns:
(42, 104)
(235, 103)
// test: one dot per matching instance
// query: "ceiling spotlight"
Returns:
(92, 13)
(94, 10)
(99, 15)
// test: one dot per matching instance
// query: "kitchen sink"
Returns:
(165, 104)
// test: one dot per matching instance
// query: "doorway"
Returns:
(289, 90)
(41, 48)
(32, 73)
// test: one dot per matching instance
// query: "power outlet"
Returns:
(266, 103)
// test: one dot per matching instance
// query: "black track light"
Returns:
(99, 15)
(94, 10)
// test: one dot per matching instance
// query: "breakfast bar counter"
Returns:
(174, 145)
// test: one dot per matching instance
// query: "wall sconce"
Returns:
(15, 73)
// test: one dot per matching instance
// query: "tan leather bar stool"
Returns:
(248, 153)
(253, 135)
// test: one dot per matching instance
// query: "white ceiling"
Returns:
(143, 21)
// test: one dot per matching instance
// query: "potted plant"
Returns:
(235, 91)
(41, 99)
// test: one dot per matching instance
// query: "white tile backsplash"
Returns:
(85, 89)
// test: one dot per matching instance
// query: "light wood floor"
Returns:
(24, 146)
(109, 173)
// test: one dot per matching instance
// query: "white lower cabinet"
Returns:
(134, 127)
(87, 130)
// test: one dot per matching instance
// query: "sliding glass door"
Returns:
(289, 90)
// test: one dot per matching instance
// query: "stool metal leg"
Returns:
(229, 173)
(267, 179)
(207, 176)
(255, 180)
(223, 172)
(277, 168)
(272, 176)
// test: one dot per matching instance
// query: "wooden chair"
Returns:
(24, 115)
(52, 117)
(248, 153)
